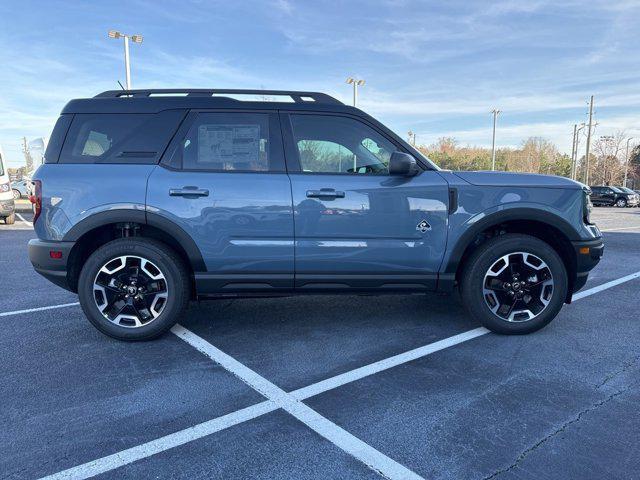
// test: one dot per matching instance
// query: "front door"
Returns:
(356, 226)
(225, 185)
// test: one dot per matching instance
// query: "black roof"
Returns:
(155, 100)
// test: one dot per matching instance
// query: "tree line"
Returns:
(607, 159)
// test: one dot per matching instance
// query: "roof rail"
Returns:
(297, 97)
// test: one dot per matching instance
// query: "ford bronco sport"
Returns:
(151, 198)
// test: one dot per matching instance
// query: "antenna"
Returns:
(121, 85)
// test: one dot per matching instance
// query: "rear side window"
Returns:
(246, 142)
(119, 138)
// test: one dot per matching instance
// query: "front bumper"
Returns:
(47, 264)
(7, 207)
(588, 254)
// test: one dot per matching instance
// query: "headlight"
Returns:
(587, 206)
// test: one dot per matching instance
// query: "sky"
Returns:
(437, 68)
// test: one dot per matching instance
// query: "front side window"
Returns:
(229, 142)
(341, 145)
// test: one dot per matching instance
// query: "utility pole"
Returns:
(626, 165)
(574, 149)
(589, 126)
(411, 138)
(27, 155)
(493, 143)
(356, 83)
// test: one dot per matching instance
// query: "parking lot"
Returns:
(324, 387)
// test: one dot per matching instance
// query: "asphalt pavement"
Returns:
(402, 386)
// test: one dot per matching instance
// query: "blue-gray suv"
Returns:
(151, 198)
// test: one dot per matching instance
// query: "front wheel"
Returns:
(134, 288)
(16, 194)
(621, 202)
(10, 220)
(514, 284)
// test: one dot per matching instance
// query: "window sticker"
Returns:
(229, 143)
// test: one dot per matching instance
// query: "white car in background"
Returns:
(7, 205)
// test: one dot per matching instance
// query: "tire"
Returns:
(142, 263)
(621, 203)
(10, 220)
(481, 301)
(16, 194)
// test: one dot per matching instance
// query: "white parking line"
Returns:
(621, 228)
(605, 286)
(39, 309)
(352, 445)
(196, 432)
(130, 455)
(24, 220)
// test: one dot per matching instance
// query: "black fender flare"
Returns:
(143, 217)
(502, 216)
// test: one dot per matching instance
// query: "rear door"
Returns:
(223, 181)
(357, 227)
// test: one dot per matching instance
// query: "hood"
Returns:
(514, 179)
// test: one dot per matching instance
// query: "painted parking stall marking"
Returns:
(124, 457)
(355, 447)
(39, 309)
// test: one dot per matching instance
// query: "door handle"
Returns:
(326, 193)
(189, 192)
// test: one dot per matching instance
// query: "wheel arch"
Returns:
(546, 226)
(103, 227)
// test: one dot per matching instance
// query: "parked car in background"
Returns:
(7, 205)
(637, 196)
(20, 189)
(612, 196)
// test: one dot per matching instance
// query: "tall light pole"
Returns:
(626, 165)
(412, 138)
(493, 143)
(356, 83)
(589, 126)
(127, 64)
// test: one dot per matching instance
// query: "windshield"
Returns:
(617, 190)
(625, 189)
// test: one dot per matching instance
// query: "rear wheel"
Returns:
(10, 220)
(134, 288)
(514, 284)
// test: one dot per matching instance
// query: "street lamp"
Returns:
(626, 165)
(356, 83)
(495, 113)
(135, 39)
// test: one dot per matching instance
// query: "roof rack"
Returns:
(297, 97)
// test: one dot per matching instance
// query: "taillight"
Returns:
(36, 199)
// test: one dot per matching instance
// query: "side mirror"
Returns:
(402, 163)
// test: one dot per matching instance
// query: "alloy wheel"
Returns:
(518, 287)
(130, 291)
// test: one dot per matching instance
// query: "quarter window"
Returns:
(341, 145)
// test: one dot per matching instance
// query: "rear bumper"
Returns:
(588, 254)
(53, 269)
(7, 207)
